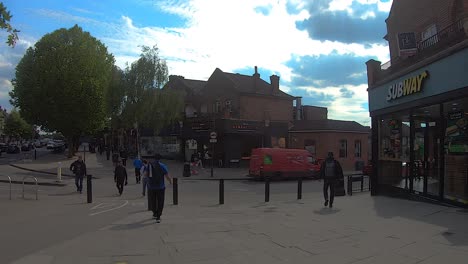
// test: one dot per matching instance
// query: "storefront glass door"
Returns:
(426, 150)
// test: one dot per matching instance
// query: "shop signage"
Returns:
(407, 43)
(244, 126)
(406, 87)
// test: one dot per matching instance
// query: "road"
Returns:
(6, 158)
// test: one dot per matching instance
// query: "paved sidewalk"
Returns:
(361, 229)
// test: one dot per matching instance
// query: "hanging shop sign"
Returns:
(406, 87)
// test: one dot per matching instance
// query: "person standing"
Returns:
(330, 171)
(107, 152)
(120, 177)
(78, 167)
(157, 171)
(144, 172)
(115, 158)
(137, 163)
(123, 156)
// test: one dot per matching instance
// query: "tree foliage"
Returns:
(5, 18)
(145, 102)
(17, 127)
(61, 82)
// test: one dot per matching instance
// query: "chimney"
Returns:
(373, 72)
(274, 80)
(256, 74)
(298, 108)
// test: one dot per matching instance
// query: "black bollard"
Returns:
(299, 189)
(267, 189)
(175, 192)
(89, 188)
(362, 183)
(221, 191)
(35, 154)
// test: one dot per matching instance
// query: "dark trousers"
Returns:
(120, 186)
(329, 184)
(107, 155)
(124, 161)
(79, 183)
(137, 175)
(156, 201)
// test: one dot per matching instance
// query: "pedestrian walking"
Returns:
(157, 171)
(120, 177)
(144, 172)
(107, 152)
(137, 163)
(330, 171)
(78, 167)
(115, 158)
(123, 156)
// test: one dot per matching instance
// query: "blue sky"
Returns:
(317, 47)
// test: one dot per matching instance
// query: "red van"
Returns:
(278, 162)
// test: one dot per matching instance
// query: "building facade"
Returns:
(244, 112)
(348, 140)
(418, 103)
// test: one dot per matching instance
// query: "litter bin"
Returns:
(186, 169)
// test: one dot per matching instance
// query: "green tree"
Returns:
(5, 18)
(61, 83)
(17, 127)
(146, 103)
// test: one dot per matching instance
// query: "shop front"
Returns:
(235, 139)
(420, 132)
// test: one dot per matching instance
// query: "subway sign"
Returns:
(406, 87)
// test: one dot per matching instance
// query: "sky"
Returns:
(317, 47)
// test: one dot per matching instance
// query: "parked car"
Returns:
(3, 147)
(13, 148)
(56, 145)
(283, 163)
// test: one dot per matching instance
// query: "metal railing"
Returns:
(37, 186)
(9, 178)
(449, 32)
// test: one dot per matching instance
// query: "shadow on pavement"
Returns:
(453, 219)
(327, 211)
(136, 225)
(63, 194)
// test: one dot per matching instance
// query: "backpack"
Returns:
(156, 176)
(330, 169)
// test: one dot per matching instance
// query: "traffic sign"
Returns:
(213, 135)
(213, 140)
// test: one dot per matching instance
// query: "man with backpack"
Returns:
(330, 171)
(156, 172)
(78, 167)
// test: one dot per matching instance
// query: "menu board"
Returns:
(456, 136)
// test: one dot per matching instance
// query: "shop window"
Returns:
(309, 145)
(217, 107)
(456, 150)
(343, 148)
(357, 148)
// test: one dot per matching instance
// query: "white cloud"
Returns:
(340, 107)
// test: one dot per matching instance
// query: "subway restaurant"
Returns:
(420, 128)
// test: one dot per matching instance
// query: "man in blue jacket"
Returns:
(137, 163)
(156, 172)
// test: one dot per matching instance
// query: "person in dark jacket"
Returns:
(330, 172)
(124, 156)
(78, 168)
(107, 152)
(120, 176)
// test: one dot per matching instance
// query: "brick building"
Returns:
(245, 111)
(348, 140)
(418, 102)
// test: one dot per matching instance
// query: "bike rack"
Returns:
(37, 186)
(9, 178)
